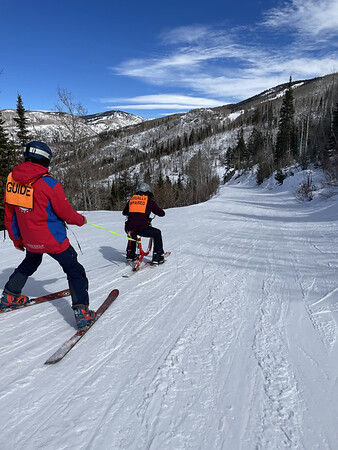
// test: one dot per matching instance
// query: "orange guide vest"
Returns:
(19, 194)
(138, 204)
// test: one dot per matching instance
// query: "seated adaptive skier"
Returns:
(138, 210)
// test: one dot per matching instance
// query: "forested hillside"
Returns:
(183, 156)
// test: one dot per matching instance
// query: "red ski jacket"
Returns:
(38, 211)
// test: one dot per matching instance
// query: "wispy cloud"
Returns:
(230, 65)
(308, 17)
(185, 34)
(162, 101)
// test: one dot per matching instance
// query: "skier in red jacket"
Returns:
(138, 210)
(36, 211)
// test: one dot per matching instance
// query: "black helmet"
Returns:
(38, 152)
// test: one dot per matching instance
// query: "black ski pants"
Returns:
(149, 232)
(76, 275)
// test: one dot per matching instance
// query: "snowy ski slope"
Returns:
(232, 344)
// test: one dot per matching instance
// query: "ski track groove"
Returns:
(280, 423)
(320, 340)
(171, 370)
(98, 368)
(165, 359)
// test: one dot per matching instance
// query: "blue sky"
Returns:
(154, 58)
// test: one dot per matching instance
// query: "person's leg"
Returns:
(78, 285)
(20, 275)
(131, 247)
(11, 296)
(76, 275)
(158, 242)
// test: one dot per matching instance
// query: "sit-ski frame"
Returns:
(141, 252)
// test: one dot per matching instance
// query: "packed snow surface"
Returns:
(231, 344)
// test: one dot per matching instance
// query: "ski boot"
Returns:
(158, 258)
(83, 315)
(10, 300)
(131, 257)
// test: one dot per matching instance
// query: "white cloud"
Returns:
(310, 17)
(230, 67)
(152, 106)
(297, 67)
(162, 101)
(233, 88)
(186, 34)
(185, 59)
(242, 72)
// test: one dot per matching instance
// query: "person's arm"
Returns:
(12, 227)
(63, 209)
(125, 212)
(155, 209)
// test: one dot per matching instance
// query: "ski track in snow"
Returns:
(231, 344)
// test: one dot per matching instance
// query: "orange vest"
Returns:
(17, 194)
(138, 204)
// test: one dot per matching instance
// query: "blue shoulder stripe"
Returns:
(15, 226)
(52, 182)
(55, 225)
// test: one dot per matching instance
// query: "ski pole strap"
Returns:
(112, 232)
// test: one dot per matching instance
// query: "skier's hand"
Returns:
(84, 219)
(18, 244)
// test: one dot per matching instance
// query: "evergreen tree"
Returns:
(240, 155)
(21, 122)
(333, 140)
(164, 192)
(179, 195)
(286, 145)
(330, 159)
(122, 189)
(7, 162)
(255, 146)
(114, 198)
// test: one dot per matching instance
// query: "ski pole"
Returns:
(110, 231)
(78, 243)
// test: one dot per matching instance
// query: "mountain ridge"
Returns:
(44, 123)
(117, 119)
(113, 149)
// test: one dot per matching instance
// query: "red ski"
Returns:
(69, 343)
(37, 300)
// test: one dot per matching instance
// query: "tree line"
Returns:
(176, 159)
(311, 138)
(80, 172)
(197, 184)
(10, 149)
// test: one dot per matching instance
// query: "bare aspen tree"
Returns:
(76, 146)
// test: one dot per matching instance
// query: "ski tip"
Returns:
(69, 343)
(50, 361)
(114, 292)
